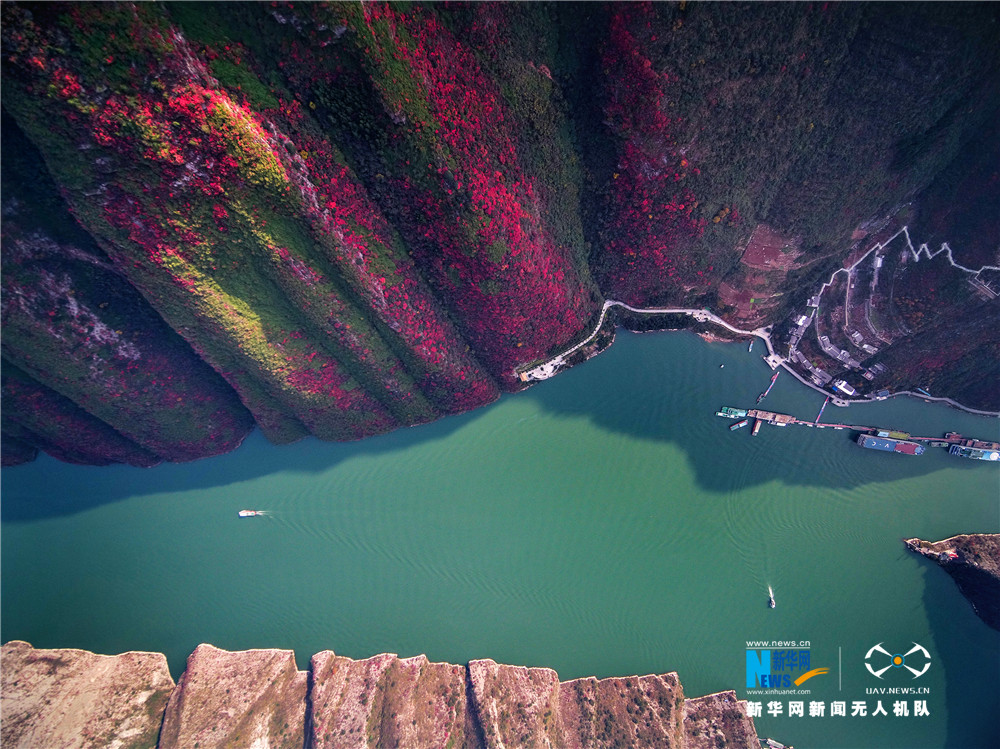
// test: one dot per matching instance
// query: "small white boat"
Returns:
(750, 348)
(250, 513)
(770, 597)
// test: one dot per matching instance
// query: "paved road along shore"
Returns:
(548, 368)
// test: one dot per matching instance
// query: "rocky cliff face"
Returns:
(251, 698)
(73, 698)
(340, 219)
(388, 701)
(258, 698)
(973, 561)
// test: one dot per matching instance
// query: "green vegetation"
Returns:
(360, 216)
(234, 76)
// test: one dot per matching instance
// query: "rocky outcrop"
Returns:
(247, 698)
(387, 701)
(717, 720)
(514, 704)
(73, 698)
(973, 561)
(257, 698)
(630, 711)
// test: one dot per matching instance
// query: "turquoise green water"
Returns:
(603, 522)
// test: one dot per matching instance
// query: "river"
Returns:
(604, 522)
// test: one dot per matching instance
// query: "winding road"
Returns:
(547, 369)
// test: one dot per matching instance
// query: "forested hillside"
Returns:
(336, 219)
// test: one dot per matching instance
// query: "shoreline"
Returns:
(555, 364)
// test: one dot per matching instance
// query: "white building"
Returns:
(844, 387)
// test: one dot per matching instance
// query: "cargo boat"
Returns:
(756, 427)
(739, 425)
(731, 413)
(890, 445)
(892, 434)
(971, 452)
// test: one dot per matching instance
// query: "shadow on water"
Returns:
(671, 393)
(970, 653)
(660, 387)
(41, 485)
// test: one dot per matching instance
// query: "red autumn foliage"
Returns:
(473, 219)
(649, 210)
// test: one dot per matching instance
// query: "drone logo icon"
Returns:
(898, 660)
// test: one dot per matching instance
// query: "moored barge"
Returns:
(890, 445)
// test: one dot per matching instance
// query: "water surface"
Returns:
(603, 522)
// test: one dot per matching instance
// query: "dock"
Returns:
(770, 417)
(953, 441)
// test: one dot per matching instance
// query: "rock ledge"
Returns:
(257, 698)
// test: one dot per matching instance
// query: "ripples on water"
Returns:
(601, 523)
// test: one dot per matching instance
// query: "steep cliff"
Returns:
(91, 373)
(74, 698)
(251, 698)
(341, 219)
(973, 561)
(258, 698)
(388, 701)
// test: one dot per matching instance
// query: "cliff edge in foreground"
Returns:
(75, 698)
(973, 560)
(258, 698)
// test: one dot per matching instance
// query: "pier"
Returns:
(770, 417)
(783, 420)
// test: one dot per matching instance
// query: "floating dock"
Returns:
(893, 434)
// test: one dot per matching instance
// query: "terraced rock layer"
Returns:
(257, 698)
